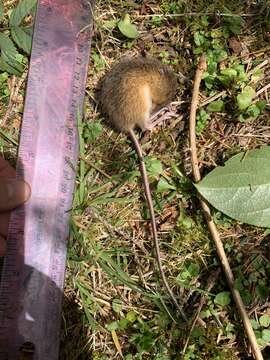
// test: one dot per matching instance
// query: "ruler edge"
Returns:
(80, 108)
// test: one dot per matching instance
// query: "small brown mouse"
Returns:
(131, 91)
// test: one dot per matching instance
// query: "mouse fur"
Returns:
(134, 89)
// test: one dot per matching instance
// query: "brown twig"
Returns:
(212, 98)
(256, 68)
(192, 117)
(207, 214)
(262, 90)
(195, 14)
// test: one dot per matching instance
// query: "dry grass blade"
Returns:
(207, 213)
(117, 343)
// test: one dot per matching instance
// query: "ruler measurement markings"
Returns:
(65, 179)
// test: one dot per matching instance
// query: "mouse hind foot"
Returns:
(159, 117)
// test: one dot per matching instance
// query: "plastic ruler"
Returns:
(33, 271)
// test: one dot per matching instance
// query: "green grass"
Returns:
(114, 299)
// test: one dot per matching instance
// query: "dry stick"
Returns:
(263, 89)
(195, 14)
(261, 65)
(212, 98)
(207, 214)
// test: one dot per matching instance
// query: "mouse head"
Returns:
(163, 86)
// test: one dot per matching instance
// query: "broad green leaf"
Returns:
(9, 56)
(127, 29)
(21, 38)
(1, 10)
(245, 98)
(222, 298)
(12, 61)
(216, 106)
(7, 45)
(241, 189)
(21, 11)
(5, 67)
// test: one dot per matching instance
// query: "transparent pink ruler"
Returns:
(33, 272)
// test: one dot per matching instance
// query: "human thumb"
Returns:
(13, 193)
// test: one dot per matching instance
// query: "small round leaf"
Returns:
(245, 98)
(127, 29)
(266, 335)
(264, 320)
(222, 298)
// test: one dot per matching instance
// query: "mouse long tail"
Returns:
(153, 221)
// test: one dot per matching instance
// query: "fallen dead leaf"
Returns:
(235, 45)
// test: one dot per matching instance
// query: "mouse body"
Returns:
(131, 91)
(134, 89)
